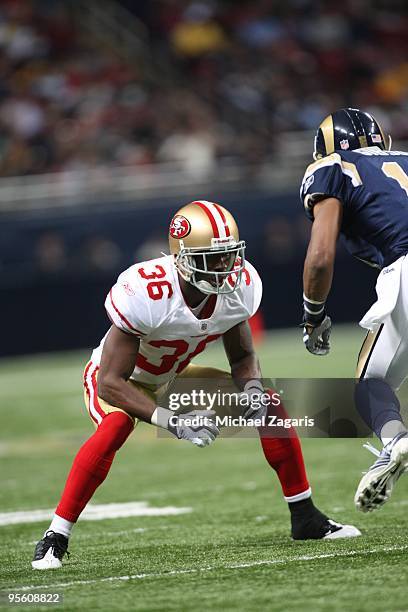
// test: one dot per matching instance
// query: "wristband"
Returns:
(161, 417)
(253, 387)
(313, 311)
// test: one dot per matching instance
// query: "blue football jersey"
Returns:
(372, 186)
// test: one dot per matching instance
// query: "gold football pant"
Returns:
(97, 407)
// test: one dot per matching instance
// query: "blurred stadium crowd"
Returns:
(209, 88)
(221, 79)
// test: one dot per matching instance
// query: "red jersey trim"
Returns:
(123, 318)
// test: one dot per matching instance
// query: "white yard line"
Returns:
(106, 534)
(97, 512)
(209, 568)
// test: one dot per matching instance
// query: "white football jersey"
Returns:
(147, 301)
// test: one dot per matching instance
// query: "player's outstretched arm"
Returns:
(118, 360)
(318, 274)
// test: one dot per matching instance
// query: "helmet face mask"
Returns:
(209, 255)
(213, 271)
(348, 129)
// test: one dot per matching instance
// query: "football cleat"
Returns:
(320, 527)
(337, 530)
(49, 551)
(377, 484)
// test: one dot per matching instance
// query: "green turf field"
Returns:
(232, 550)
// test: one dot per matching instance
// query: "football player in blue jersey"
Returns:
(358, 187)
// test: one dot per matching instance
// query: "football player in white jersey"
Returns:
(164, 312)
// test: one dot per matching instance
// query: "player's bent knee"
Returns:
(116, 427)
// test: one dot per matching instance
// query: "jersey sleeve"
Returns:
(253, 286)
(127, 307)
(328, 177)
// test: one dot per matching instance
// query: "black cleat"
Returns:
(308, 523)
(325, 529)
(49, 551)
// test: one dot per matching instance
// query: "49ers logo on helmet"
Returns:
(180, 227)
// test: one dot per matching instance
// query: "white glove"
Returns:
(255, 391)
(197, 426)
(316, 338)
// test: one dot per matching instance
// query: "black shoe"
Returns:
(308, 523)
(49, 551)
(323, 530)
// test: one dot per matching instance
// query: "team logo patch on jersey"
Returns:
(128, 289)
(344, 144)
(309, 181)
(180, 227)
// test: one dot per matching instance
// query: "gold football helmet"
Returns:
(204, 239)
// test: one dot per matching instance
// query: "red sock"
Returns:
(284, 455)
(92, 463)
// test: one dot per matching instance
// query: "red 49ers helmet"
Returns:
(204, 239)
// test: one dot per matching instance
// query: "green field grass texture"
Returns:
(233, 550)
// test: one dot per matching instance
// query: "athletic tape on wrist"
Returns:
(161, 417)
(313, 307)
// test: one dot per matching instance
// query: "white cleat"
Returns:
(399, 452)
(336, 530)
(49, 551)
(376, 486)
